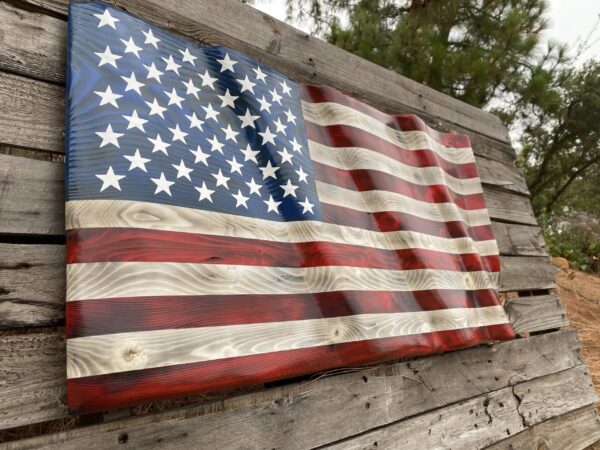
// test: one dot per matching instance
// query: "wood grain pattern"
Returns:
(139, 279)
(543, 312)
(32, 196)
(575, 430)
(81, 214)
(32, 44)
(515, 239)
(327, 114)
(381, 201)
(504, 206)
(492, 417)
(307, 59)
(526, 273)
(32, 285)
(352, 158)
(319, 408)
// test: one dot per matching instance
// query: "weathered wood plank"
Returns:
(505, 206)
(307, 59)
(484, 420)
(32, 200)
(32, 44)
(521, 273)
(536, 313)
(33, 372)
(31, 113)
(23, 303)
(574, 431)
(515, 239)
(32, 285)
(304, 414)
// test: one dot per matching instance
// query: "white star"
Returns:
(260, 75)
(106, 19)
(306, 206)
(267, 136)
(108, 97)
(110, 179)
(174, 99)
(286, 89)
(286, 157)
(171, 64)
(178, 135)
(249, 154)
(227, 99)
(272, 205)
(107, 58)
(205, 192)
(153, 72)
(188, 57)
(248, 119)
(162, 184)
(302, 175)
(227, 63)
(130, 47)
(194, 121)
(216, 146)
(132, 84)
(254, 187)
(207, 80)
(275, 96)
(150, 39)
(135, 121)
(182, 170)
(289, 189)
(235, 166)
(200, 156)
(155, 108)
(247, 85)
(211, 113)
(109, 137)
(191, 88)
(159, 145)
(290, 116)
(280, 126)
(269, 171)
(221, 179)
(137, 161)
(229, 133)
(240, 199)
(264, 104)
(297, 146)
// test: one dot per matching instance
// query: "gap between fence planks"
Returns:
(301, 412)
(296, 54)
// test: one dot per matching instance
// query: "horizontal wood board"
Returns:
(294, 53)
(306, 409)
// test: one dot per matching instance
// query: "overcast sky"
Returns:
(570, 19)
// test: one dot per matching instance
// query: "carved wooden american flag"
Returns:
(227, 226)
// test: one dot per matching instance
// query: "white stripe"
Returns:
(381, 201)
(156, 216)
(138, 279)
(328, 113)
(98, 355)
(352, 158)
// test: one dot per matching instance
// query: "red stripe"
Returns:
(368, 180)
(119, 315)
(101, 392)
(397, 221)
(133, 244)
(348, 136)
(404, 122)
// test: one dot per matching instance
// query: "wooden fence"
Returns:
(528, 393)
